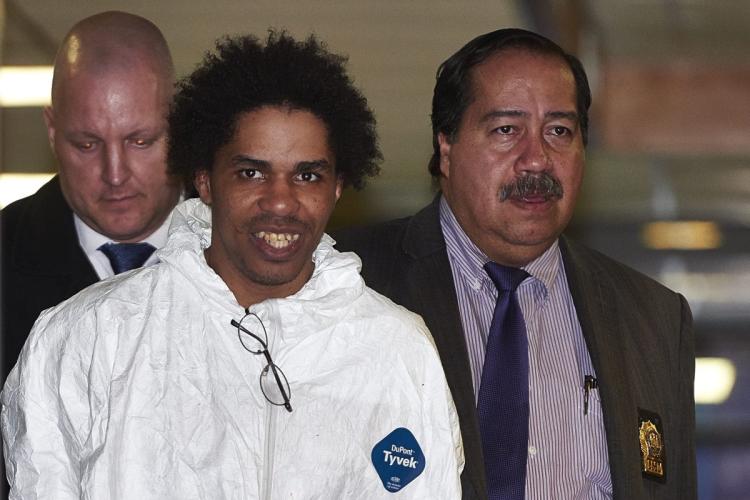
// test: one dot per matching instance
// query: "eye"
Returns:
(85, 146)
(559, 130)
(141, 143)
(250, 173)
(504, 129)
(308, 176)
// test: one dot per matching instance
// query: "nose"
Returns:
(279, 197)
(115, 168)
(535, 155)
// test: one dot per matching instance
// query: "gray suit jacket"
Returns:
(639, 336)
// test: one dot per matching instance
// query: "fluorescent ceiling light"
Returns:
(25, 85)
(16, 186)
(714, 380)
(682, 235)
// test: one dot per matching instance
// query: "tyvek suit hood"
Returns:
(139, 388)
(335, 278)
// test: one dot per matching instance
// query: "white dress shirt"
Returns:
(567, 451)
(91, 240)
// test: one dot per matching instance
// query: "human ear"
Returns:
(49, 120)
(445, 151)
(202, 183)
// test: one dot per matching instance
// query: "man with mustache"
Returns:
(572, 374)
(108, 208)
(251, 361)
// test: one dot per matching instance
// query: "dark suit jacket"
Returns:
(42, 263)
(638, 333)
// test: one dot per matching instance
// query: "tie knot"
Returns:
(127, 256)
(505, 278)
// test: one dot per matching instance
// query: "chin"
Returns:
(272, 279)
(535, 237)
(120, 232)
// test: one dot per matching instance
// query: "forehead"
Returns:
(277, 127)
(113, 94)
(519, 74)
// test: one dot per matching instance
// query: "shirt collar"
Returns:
(90, 240)
(546, 267)
(469, 260)
(466, 258)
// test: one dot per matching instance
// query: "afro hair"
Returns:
(243, 75)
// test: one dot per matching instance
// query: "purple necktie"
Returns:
(503, 406)
(127, 256)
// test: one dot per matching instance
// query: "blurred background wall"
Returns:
(667, 186)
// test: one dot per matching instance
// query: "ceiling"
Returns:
(654, 31)
(639, 54)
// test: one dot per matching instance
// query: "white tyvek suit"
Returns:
(138, 388)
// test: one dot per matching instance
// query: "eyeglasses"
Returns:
(276, 390)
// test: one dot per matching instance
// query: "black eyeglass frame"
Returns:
(275, 369)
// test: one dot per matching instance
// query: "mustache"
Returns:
(541, 184)
(286, 221)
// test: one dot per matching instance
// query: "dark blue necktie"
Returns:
(127, 256)
(503, 406)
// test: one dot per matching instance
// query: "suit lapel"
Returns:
(595, 299)
(430, 286)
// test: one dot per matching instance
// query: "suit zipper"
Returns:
(266, 491)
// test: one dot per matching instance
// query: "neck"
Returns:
(250, 290)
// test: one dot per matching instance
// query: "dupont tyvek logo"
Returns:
(398, 459)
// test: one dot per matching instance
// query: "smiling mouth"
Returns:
(277, 240)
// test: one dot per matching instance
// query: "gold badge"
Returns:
(652, 446)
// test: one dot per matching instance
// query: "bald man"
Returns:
(109, 206)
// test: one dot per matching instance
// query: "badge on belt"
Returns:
(651, 438)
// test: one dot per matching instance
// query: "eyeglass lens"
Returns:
(252, 333)
(272, 381)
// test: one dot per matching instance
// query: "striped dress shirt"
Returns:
(567, 453)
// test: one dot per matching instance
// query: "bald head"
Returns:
(110, 43)
(111, 90)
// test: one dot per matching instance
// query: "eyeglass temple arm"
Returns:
(245, 330)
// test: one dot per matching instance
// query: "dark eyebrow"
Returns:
(501, 113)
(148, 132)
(565, 115)
(249, 161)
(306, 166)
(303, 166)
(81, 134)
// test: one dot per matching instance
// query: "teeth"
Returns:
(278, 240)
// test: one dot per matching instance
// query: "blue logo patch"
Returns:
(398, 459)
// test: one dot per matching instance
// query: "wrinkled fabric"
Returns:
(139, 388)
